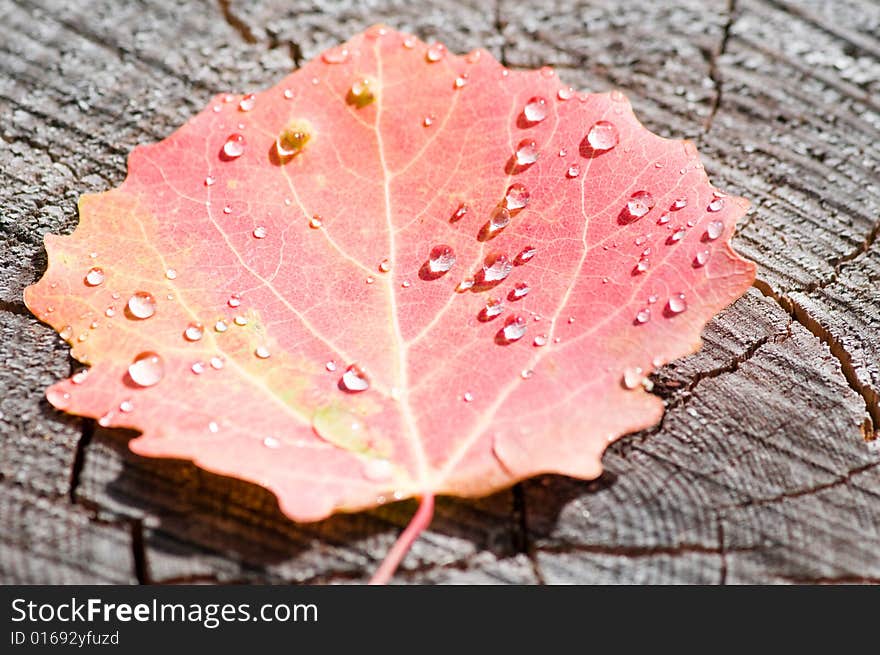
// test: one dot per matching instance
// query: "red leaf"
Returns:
(276, 290)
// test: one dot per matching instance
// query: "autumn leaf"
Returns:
(398, 273)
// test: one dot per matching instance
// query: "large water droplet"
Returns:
(95, 276)
(525, 255)
(362, 92)
(540, 341)
(193, 332)
(714, 230)
(337, 55)
(354, 379)
(565, 93)
(293, 139)
(496, 267)
(435, 52)
(639, 204)
(441, 259)
(262, 352)
(517, 196)
(514, 328)
(248, 102)
(234, 146)
(535, 110)
(526, 152)
(603, 136)
(499, 220)
(676, 304)
(142, 305)
(147, 369)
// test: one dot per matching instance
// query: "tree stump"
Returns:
(762, 469)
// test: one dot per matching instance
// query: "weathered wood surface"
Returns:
(760, 471)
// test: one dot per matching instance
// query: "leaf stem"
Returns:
(420, 520)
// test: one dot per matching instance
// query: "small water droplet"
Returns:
(110, 312)
(234, 300)
(288, 94)
(535, 110)
(565, 93)
(58, 398)
(142, 305)
(603, 135)
(406, 284)
(370, 279)
(409, 42)
(663, 220)
(193, 331)
(676, 236)
(570, 320)
(260, 232)
(234, 146)
(573, 171)
(271, 442)
(517, 196)
(514, 328)
(526, 152)
(337, 55)
(293, 139)
(643, 316)
(384, 266)
(126, 406)
(227, 209)
(714, 230)
(467, 396)
(459, 213)
(473, 56)
(652, 299)
(525, 255)
(496, 267)
(676, 304)
(80, 376)
(547, 71)
(441, 259)
(679, 203)
(239, 320)
(428, 121)
(316, 222)
(639, 204)
(520, 290)
(642, 266)
(213, 427)
(435, 52)
(526, 373)
(540, 340)
(701, 258)
(464, 285)
(95, 276)
(221, 326)
(198, 368)
(715, 206)
(460, 81)
(147, 369)
(499, 220)
(217, 363)
(493, 308)
(354, 379)
(632, 377)
(377, 470)
(248, 102)
(262, 352)
(330, 366)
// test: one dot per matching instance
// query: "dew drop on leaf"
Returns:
(525, 255)
(467, 396)
(565, 93)
(170, 274)
(663, 220)
(354, 379)
(95, 276)
(496, 267)
(315, 222)
(221, 326)
(441, 259)
(540, 340)
(293, 139)
(464, 285)
(58, 398)
(459, 82)
(459, 213)
(217, 363)
(716, 205)
(643, 316)
(80, 376)
(234, 146)
(146, 369)
(271, 442)
(679, 203)
(330, 366)
(337, 55)
(240, 320)
(517, 196)
(573, 171)
(260, 232)
(632, 378)
(603, 135)
(535, 110)
(142, 305)
(526, 152)
(714, 230)
(514, 328)
(262, 352)
(66, 332)
(193, 332)
(639, 204)
(493, 308)
(499, 220)
(435, 52)
(520, 290)
(701, 258)
(248, 102)
(676, 304)
(384, 266)
(676, 236)
(362, 92)
(234, 300)
(428, 121)
(526, 373)
(126, 406)
(198, 368)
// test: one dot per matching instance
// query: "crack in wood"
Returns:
(714, 70)
(521, 536)
(236, 22)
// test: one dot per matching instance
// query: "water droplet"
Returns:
(234, 146)
(234, 300)
(473, 56)
(573, 171)
(641, 266)
(171, 274)
(142, 305)
(59, 399)
(520, 290)
(441, 259)
(540, 340)
(679, 203)
(221, 326)
(526, 152)
(110, 312)
(676, 304)
(639, 204)
(526, 373)
(213, 427)
(405, 284)
(337, 55)
(499, 220)
(240, 321)
(409, 42)
(652, 299)
(467, 396)
(271, 442)
(632, 377)
(716, 205)
(714, 230)
(493, 308)
(198, 368)
(643, 316)
(435, 52)
(377, 470)
(288, 94)
(464, 285)
(330, 366)
(514, 328)
(217, 363)
(248, 102)
(147, 369)
(293, 139)
(460, 81)
(525, 255)
(547, 71)
(262, 352)
(566, 93)
(535, 110)
(428, 121)
(227, 209)
(106, 419)
(384, 266)
(354, 379)
(676, 236)
(496, 267)
(603, 136)
(260, 232)
(315, 222)
(80, 376)
(95, 276)
(362, 92)
(126, 406)
(701, 258)
(570, 320)
(370, 279)
(459, 213)
(517, 196)
(193, 331)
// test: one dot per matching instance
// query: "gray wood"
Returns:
(761, 470)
